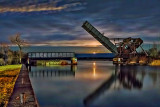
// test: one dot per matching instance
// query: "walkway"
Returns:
(23, 94)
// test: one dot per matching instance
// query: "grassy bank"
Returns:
(155, 62)
(8, 76)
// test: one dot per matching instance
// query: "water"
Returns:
(96, 84)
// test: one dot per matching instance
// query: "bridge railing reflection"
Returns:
(53, 72)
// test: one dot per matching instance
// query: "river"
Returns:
(96, 84)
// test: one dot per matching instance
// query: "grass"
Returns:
(155, 63)
(9, 67)
(8, 77)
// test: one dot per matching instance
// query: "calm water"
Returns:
(96, 84)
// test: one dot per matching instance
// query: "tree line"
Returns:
(8, 56)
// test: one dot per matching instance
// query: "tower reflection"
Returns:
(125, 76)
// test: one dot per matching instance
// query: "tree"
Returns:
(1, 53)
(4, 52)
(153, 51)
(16, 39)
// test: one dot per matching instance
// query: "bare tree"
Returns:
(16, 39)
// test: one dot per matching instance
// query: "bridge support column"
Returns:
(74, 61)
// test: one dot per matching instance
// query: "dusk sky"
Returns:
(58, 22)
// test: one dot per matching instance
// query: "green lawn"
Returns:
(10, 67)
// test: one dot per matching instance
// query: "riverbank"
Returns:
(155, 63)
(8, 77)
(23, 94)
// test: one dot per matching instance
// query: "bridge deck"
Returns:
(51, 55)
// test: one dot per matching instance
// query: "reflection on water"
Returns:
(48, 71)
(96, 83)
(126, 79)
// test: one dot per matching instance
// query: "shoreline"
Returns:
(23, 94)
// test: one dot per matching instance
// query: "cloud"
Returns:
(30, 8)
(58, 22)
(35, 6)
(86, 43)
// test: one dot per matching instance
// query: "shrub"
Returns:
(1, 55)
(2, 62)
(15, 61)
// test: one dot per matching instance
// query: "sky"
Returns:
(58, 22)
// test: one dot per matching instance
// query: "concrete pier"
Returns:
(23, 94)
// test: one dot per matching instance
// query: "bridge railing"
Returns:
(51, 54)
